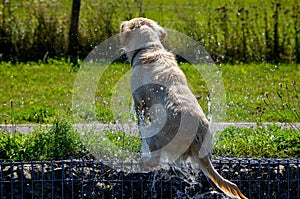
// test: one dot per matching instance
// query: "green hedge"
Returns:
(231, 31)
(60, 141)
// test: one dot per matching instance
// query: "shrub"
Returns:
(60, 141)
(12, 146)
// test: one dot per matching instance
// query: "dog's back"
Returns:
(169, 116)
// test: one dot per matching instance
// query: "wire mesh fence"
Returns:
(257, 178)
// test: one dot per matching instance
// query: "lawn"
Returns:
(38, 92)
(35, 92)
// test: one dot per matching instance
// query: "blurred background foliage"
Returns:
(231, 31)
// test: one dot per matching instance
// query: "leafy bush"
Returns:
(60, 141)
(268, 142)
(12, 146)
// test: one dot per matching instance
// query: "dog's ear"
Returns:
(123, 34)
(122, 26)
(163, 34)
(158, 29)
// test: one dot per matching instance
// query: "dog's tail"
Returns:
(226, 186)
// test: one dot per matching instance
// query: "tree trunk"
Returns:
(73, 33)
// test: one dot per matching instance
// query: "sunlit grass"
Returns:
(36, 92)
(246, 86)
(34, 88)
(264, 142)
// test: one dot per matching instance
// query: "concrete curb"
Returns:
(132, 127)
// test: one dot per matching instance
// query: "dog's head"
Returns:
(140, 33)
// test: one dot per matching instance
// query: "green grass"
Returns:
(112, 145)
(246, 88)
(62, 141)
(39, 92)
(35, 92)
(267, 142)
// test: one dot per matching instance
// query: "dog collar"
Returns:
(135, 54)
(141, 49)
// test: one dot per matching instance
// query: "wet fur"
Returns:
(164, 87)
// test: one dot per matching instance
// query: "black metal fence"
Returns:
(257, 178)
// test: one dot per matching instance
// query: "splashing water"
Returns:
(209, 114)
(185, 183)
(211, 195)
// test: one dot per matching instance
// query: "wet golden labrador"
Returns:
(170, 119)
